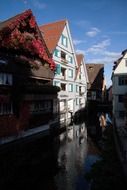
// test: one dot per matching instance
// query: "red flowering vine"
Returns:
(17, 36)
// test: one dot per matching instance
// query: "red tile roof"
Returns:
(79, 58)
(51, 33)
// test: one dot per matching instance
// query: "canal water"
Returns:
(76, 155)
(60, 164)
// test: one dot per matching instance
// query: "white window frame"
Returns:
(70, 73)
(70, 87)
(64, 40)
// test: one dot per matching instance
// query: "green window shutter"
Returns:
(56, 52)
(58, 69)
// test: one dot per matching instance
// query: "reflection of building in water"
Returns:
(70, 134)
(71, 158)
(102, 120)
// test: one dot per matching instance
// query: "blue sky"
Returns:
(98, 27)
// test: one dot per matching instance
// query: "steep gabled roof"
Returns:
(51, 33)
(80, 58)
(95, 75)
(21, 34)
(117, 62)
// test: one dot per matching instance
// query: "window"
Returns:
(93, 95)
(63, 55)
(77, 88)
(89, 94)
(121, 98)
(63, 86)
(58, 69)
(5, 79)
(70, 73)
(57, 53)
(80, 89)
(63, 73)
(70, 88)
(77, 101)
(123, 80)
(70, 60)
(41, 106)
(56, 83)
(64, 41)
(5, 108)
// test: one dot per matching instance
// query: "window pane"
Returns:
(64, 40)
(58, 69)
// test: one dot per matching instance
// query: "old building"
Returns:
(96, 86)
(28, 100)
(81, 82)
(119, 92)
(119, 88)
(59, 42)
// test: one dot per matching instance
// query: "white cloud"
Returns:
(103, 60)
(77, 42)
(93, 32)
(112, 54)
(100, 53)
(99, 48)
(39, 5)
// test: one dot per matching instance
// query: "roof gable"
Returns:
(95, 75)
(120, 65)
(21, 34)
(52, 33)
(80, 61)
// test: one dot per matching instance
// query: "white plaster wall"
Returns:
(122, 67)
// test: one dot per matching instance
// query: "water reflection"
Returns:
(72, 157)
(56, 165)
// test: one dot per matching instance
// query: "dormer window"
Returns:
(5, 79)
